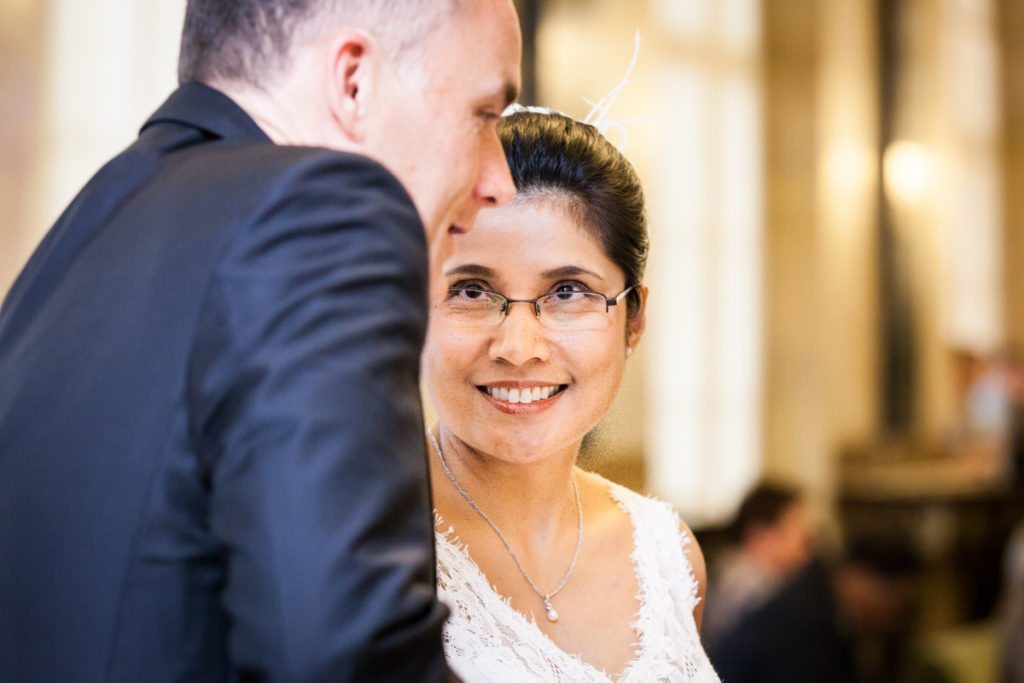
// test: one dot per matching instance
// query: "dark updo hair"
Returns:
(552, 153)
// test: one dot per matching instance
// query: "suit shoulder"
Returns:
(306, 200)
(324, 187)
(267, 189)
(265, 166)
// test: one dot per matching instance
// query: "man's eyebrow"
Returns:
(470, 269)
(568, 271)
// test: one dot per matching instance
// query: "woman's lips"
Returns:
(523, 400)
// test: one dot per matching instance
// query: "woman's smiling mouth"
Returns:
(518, 398)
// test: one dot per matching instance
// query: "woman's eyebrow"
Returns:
(569, 271)
(470, 269)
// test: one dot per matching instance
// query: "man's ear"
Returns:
(352, 59)
(637, 322)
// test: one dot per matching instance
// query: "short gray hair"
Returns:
(248, 41)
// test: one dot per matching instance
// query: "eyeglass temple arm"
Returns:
(614, 301)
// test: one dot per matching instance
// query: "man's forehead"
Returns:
(493, 27)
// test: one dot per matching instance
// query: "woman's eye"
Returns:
(467, 291)
(570, 287)
(567, 291)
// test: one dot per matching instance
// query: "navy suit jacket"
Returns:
(795, 637)
(212, 463)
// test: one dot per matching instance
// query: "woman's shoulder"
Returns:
(657, 525)
(645, 510)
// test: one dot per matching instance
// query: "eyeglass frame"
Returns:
(609, 301)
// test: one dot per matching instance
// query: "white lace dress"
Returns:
(487, 641)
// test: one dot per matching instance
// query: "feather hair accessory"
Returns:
(600, 112)
(600, 116)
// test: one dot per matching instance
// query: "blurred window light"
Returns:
(909, 172)
(974, 75)
(678, 378)
(684, 19)
(740, 22)
(969, 198)
(704, 365)
(849, 166)
(973, 281)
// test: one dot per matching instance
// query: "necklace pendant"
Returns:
(552, 613)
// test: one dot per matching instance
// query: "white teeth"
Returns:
(524, 396)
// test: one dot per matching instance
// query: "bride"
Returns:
(552, 573)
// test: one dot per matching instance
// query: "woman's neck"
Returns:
(529, 502)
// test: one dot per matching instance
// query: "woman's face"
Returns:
(474, 370)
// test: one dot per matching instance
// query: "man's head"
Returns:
(774, 529)
(417, 85)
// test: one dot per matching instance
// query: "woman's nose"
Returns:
(519, 338)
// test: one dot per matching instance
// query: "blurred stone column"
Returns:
(943, 140)
(820, 286)
(1011, 22)
(796, 409)
(847, 214)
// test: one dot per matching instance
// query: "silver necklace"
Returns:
(545, 597)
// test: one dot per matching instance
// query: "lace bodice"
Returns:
(487, 641)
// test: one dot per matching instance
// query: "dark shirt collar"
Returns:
(203, 107)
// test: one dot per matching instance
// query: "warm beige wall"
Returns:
(80, 78)
(21, 115)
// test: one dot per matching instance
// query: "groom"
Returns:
(211, 446)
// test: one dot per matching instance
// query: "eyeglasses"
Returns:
(572, 310)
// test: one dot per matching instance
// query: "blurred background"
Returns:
(834, 189)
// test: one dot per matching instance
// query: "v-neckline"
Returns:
(641, 616)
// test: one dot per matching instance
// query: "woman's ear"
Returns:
(638, 321)
(350, 83)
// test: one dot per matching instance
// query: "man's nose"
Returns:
(494, 186)
(519, 338)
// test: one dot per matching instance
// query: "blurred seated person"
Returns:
(990, 393)
(813, 629)
(773, 542)
(989, 388)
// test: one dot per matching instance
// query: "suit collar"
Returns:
(202, 107)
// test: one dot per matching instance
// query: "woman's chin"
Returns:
(520, 446)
